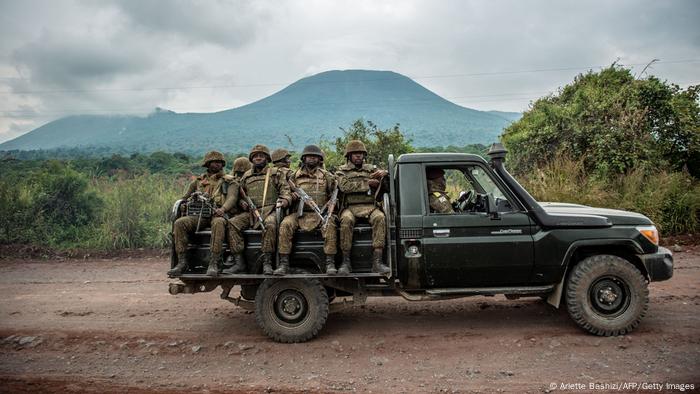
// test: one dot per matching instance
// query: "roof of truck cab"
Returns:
(438, 157)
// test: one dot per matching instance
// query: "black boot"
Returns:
(267, 264)
(228, 263)
(181, 265)
(238, 266)
(213, 269)
(284, 265)
(378, 265)
(330, 265)
(346, 266)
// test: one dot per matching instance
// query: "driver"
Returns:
(438, 198)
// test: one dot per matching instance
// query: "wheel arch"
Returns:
(624, 248)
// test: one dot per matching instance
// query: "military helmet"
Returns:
(313, 150)
(260, 149)
(279, 154)
(242, 164)
(213, 156)
(355, 146)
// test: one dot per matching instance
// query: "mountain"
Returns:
(303, 112)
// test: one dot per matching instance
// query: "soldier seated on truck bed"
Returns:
(360, 184)
(281, 160)
(211, 190)
(320, 185)
(266, 188)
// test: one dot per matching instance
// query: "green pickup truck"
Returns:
(497, 240)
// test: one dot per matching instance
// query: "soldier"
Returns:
(281, 160)
(240, 166)
(438, 198)
(267, 188)
(222, 191)
(319, 184)
(357, 181)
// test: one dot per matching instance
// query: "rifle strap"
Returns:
(267, 183)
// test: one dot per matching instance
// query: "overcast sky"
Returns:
(59, 58)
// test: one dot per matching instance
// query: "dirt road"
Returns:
(111, 326)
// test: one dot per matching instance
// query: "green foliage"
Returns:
(136, 212)
(379, 144)
(670, 200)
(49, 206)
(614, 122)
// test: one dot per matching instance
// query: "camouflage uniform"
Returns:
(240, 166)
(359, 201)
(216, 186)
(319, 184)
(437, 197)
(280, 160)
(253, 182)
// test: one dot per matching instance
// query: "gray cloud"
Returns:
(229, 24)
(123, 56)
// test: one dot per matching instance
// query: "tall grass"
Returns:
(136, 212)
(670, 200)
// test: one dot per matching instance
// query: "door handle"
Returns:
(443, 232)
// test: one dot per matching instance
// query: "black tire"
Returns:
(606, 295)
(291, 310)
(248, 292)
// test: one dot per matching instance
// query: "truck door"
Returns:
(471, 247)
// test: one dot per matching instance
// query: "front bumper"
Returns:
(659, 265)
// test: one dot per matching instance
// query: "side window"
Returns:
(445, 187)
(486, 185)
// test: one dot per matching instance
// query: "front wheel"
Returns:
(291, 310)
(606, 295)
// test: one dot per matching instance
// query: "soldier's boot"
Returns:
(330, 265)
(238, 266)
(284, 265)
(378, 265)
(345, 266)
(181, 265)
(267, 264)
(228, 263)
(213, 269)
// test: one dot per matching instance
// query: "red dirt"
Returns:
(110, 326)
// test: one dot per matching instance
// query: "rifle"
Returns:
(253, 209)
(330, 205)
(305, 199)
(204, 199)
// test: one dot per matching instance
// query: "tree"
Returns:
(380, 143)
(613, 122)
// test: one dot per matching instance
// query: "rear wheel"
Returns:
(291, 310)
(606, 295)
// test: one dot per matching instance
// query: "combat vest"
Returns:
(316, 184)
(212, 185)
(354, 184)
(254, 185)
(286, 171)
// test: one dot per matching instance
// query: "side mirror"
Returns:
(491, 207)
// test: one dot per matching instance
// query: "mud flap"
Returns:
(554, 298)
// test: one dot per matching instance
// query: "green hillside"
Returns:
(304, 111)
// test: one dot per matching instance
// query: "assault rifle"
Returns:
(330, 206)
(305, 199)
(253, 209)
(205, 205)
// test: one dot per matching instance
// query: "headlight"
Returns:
(650, 233)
